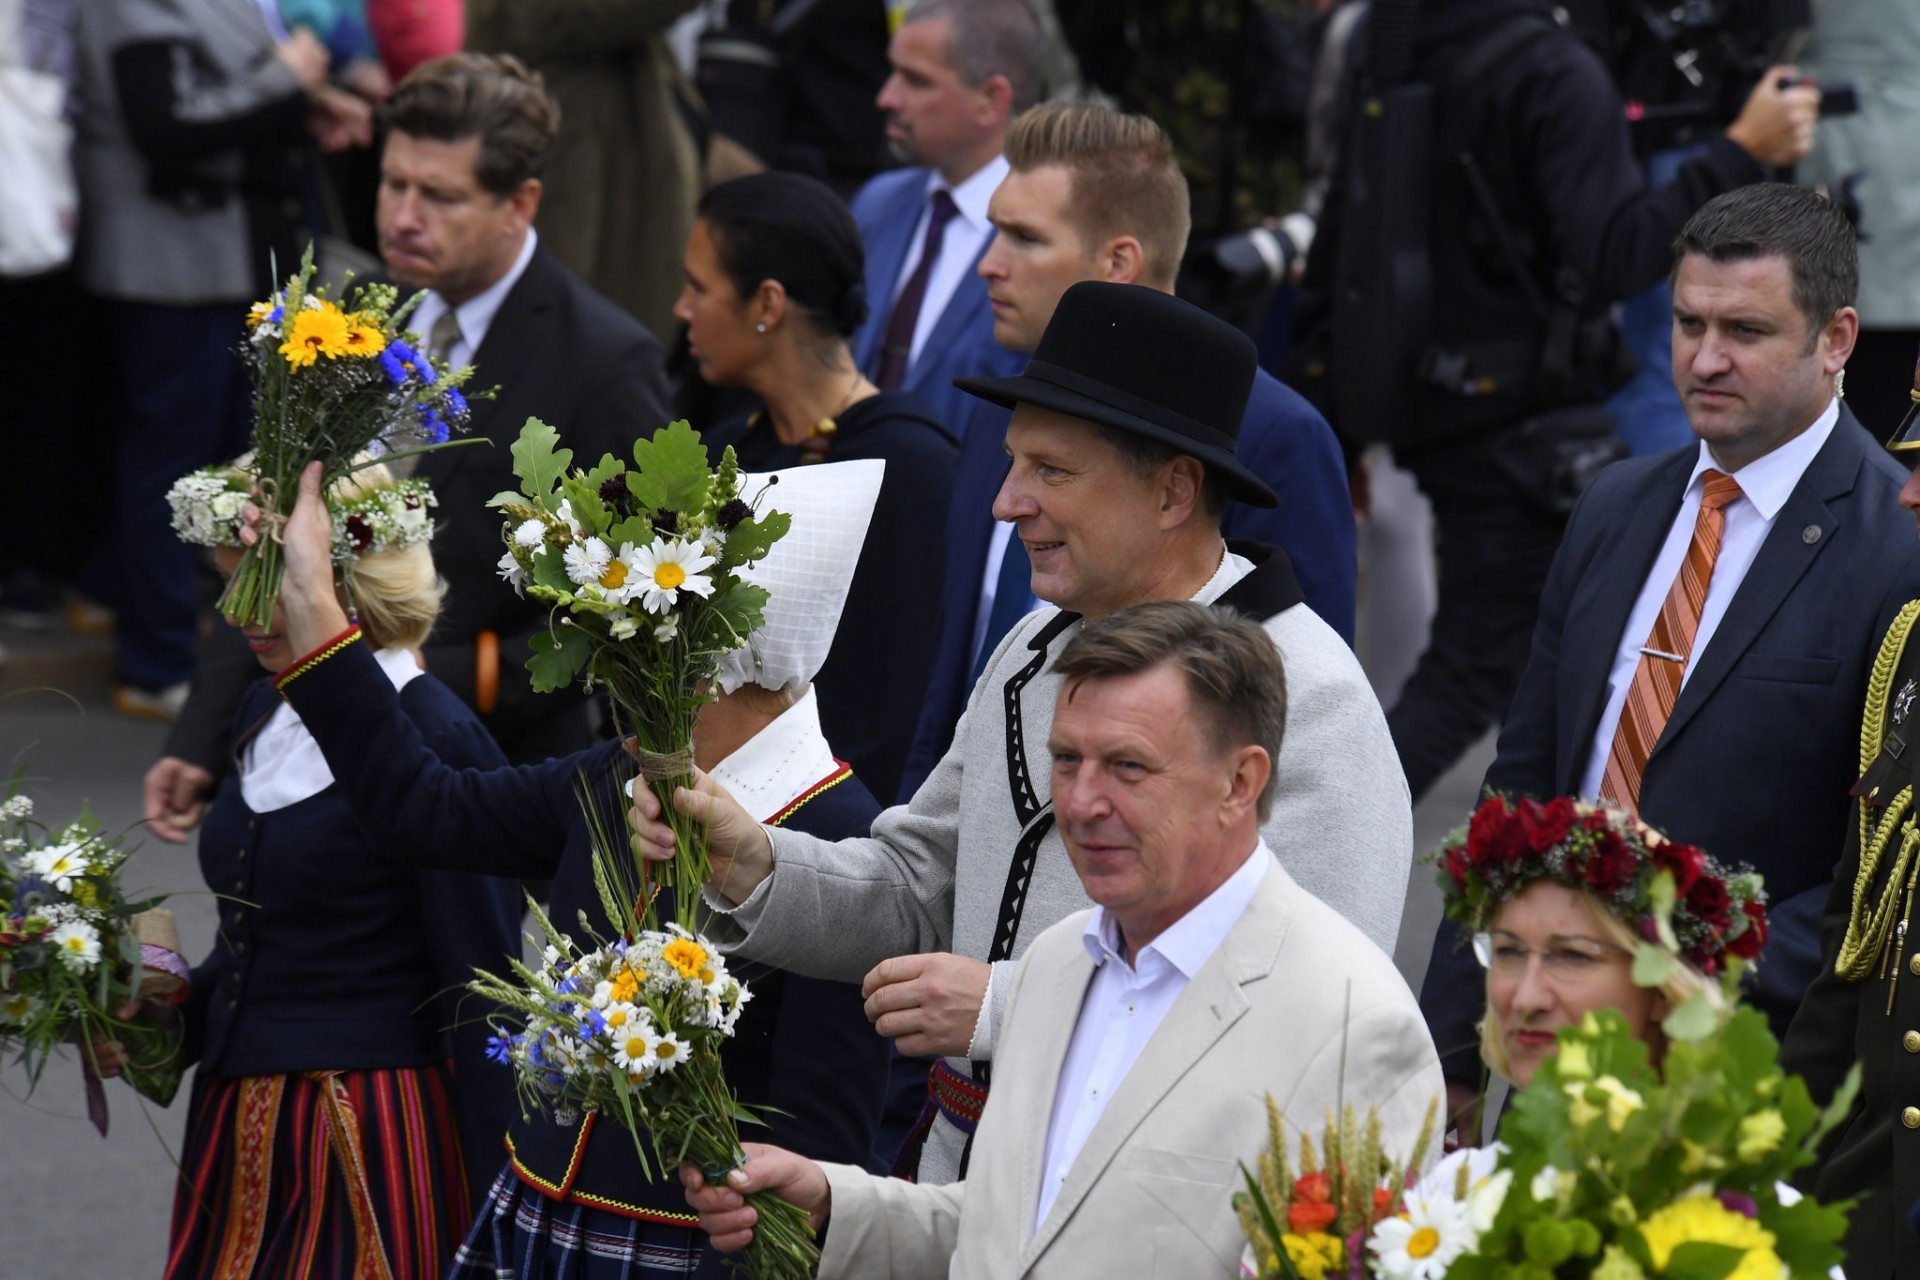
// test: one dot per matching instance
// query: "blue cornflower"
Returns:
(277, 314)
(430, 425)
(456, 402)
(394, 363)
(500, 1048)
(592, 1025)
(570, 985)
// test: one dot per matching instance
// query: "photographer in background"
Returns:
(1489, 383)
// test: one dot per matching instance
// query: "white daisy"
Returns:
(587, 561)
(668, 567)
(669, 1051)
(78, 944)
(17, 1007)
(510, 570)
(1484, 1201)
(57, 865)
(530, 534)
(633, 1049)
(622, 1017)
(1422, 1243)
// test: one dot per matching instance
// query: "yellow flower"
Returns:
(1620, 1102)
(257, 314)
(1314, 1255)
(315, 333)
(1704, 1219)
(1697, 1159)
(364, 338)
(1759, 1134)
(616, 575)
(626, 986)
(87, 895)
(1575, 1064)
(686, 956)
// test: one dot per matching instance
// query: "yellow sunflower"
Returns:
(686, 956)
(314, 333)
(364, 337)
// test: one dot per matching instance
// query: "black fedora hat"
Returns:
(1139, 360)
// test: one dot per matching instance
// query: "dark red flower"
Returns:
(666, 523)
(359, 532)
(412, 502)
(1492, 834)
(1708, 900)
(1455, 863)
(1748, 944)
(1686, 863)
(732, 514)
(1544, 826)
(1610, 864)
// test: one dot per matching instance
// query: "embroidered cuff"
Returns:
(314, 659)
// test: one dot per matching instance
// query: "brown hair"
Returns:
(1234, 676)
(1125, 180)
(1776, 219)
(992, 38)
(493, 97)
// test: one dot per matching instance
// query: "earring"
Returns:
(1840, 384)
(761, 327)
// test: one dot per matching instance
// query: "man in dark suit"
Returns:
(1095, 194)
(1768, 600)
(459, 189)
(961, 72)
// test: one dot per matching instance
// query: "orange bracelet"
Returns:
(486, 672)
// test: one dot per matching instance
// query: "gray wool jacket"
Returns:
(973, 865)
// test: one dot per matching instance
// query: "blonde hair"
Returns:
(396, 593)
(1125, 179)
(1682, 984)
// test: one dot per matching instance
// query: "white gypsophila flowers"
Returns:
(16, 807)
(192, 499)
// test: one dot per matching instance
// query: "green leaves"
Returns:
(673, 474)
(539, 460)
(557, 659)
(753, 537)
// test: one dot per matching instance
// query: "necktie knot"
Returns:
(446, 332)
(943, 210)
(1720, 490)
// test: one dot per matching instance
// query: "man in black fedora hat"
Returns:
(1122, 446)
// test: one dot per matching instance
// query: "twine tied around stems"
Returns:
(718, 1177)
(271, 523)
(664, 766)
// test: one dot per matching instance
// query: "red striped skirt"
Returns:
(350, 1174)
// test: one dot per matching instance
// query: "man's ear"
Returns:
(1837, 339)
(1122, 260)
(526, 204)
(994, 102)
(1183, 490)
(1252, 766)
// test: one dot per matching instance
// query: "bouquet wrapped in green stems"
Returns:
(332, 383)
(640, 567)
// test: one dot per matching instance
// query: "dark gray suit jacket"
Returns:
(1755, 762)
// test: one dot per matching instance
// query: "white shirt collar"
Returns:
(476, 313)
(1189, 942)
(971, 195)
(781, 763)
(1768, 480)
(1231, 569)
(282, 764)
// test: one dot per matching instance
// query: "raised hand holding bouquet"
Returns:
(332, 384)
(75, 953)
(1653, 1127)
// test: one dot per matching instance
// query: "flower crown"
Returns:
(206, 513)
(1668, 892)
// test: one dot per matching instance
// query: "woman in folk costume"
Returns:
(334, 1112)
(573, 1199)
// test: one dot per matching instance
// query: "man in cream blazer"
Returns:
(1141, 1037)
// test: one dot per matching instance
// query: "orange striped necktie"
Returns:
(1663, 660)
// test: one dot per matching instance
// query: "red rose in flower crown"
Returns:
(1505, 846)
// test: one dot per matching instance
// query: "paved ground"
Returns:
(72, 1204)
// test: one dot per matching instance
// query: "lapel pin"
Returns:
(1810, 534)
(1903, 702)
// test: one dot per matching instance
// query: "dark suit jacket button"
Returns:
(1911, 1042)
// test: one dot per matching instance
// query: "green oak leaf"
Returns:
(557, 659)
(753, 537)
(673, 474)
(539, 460)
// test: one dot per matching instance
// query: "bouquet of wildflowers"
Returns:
(1615, 1170)
(207, 504)
(641, 568)
(331, 382)
(74, 949)
(1309, 1223)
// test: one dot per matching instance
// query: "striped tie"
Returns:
(1663, 662)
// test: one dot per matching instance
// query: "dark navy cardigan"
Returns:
(330, 955)
(802, 1046)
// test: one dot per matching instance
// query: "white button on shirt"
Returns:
(965, 236)
(1765, 485)
(1125, 1005)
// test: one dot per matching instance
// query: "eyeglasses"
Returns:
(1569, 962)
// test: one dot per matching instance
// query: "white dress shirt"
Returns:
(282, 765)
(966, 235)
(1765, 485)
(476, 313)
(1125, 1005)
